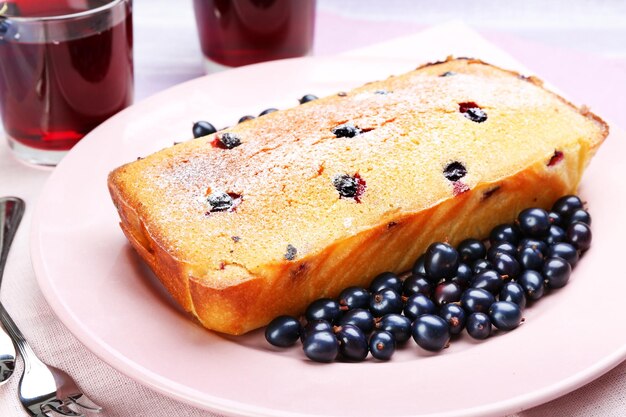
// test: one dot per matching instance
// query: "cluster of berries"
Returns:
(476, 286)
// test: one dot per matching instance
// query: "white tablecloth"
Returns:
(167, 53)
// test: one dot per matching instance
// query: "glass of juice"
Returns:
(241, 32)
(65, 67)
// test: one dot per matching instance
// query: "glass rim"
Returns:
(111, 4)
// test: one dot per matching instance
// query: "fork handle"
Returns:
(16, 335)
(11, 213)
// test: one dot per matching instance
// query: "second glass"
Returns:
(241, 32)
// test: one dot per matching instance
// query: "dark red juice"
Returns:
(241, 32)
(61, 77)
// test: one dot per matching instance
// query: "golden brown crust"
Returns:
(240, 308)
(235, 286)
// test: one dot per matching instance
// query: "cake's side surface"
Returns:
(423, 169)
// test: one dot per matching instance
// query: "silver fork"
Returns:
(45, 390)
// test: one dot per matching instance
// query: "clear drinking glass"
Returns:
(65, 67)
(241, 32)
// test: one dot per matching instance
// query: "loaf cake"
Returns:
(262, 218)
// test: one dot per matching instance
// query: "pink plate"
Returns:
(107, 297)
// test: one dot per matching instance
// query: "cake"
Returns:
(262, 218)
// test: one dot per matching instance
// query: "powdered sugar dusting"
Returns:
(289, 200)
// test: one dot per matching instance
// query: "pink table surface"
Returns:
(596, 81)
